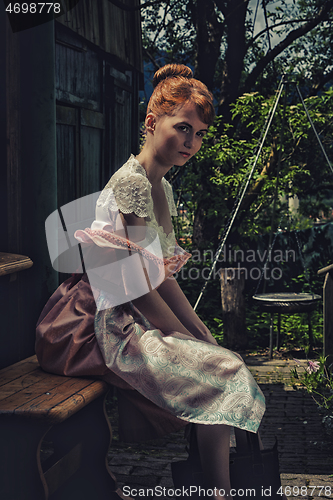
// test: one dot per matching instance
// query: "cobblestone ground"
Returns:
(305, 451)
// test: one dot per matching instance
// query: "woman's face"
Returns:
(176, 138)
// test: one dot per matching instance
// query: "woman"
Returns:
(153, 342)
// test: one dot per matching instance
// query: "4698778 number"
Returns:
(33, 8)
(303, 491)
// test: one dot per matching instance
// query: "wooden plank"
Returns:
(53, 399)
(114, 30)
(56, 405)
(91, 118)
(91, 160)
(70, 406)
(66, 180)
(325, 270)
(20, 384)
(31, 361)
(12, 263)
(45, 397)
(40, 385)
(28, 394)
(78, 73)
(66, 115)
(34, 382)
(18, 369)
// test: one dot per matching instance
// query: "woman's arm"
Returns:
(174, 297)
(167, 308)
(151, 305)
(157, 311)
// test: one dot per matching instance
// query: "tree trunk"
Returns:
(235, 15)
(233, 308)
(209, 34)
(204, 233)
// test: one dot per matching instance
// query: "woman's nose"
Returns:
(188, 142)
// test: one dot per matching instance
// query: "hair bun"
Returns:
(170, 70)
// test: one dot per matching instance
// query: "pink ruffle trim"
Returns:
(106, 239)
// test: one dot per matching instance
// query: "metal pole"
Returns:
(219, 250)
(313, 128)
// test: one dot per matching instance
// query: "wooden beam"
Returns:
(325, 270)
(328, 317)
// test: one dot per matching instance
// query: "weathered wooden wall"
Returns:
(28, 171)
(114, 30)
(97, 114)
(69, 120)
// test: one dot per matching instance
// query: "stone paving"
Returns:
(305, 451)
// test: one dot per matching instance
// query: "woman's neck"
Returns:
(155, 171)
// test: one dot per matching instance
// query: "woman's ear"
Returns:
(150, 122)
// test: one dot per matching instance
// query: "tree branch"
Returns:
(268, 28)
(229, 10)
(290, 38)
(152, 59)
(158, 31)
(221, 6)
(131, 8)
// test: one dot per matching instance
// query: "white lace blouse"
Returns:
(129, 191)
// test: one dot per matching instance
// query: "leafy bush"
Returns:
(318, 381)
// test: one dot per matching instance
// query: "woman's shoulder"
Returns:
(130, 172)
(131, 189)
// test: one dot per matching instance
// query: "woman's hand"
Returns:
(167, 308)
(157, 311)
(173, 295)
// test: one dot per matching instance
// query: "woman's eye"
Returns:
(183, 128)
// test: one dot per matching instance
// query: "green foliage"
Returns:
(212, 180)
(318, 381)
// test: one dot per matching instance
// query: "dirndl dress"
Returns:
(90, 327)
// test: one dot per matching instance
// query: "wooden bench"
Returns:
(11, 263)
(67, 412)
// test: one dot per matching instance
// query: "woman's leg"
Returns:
(214, 447)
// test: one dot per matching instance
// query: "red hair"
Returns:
(175, 86)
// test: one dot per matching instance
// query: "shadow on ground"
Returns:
(294, 418)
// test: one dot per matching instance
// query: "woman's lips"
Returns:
(185, 155)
